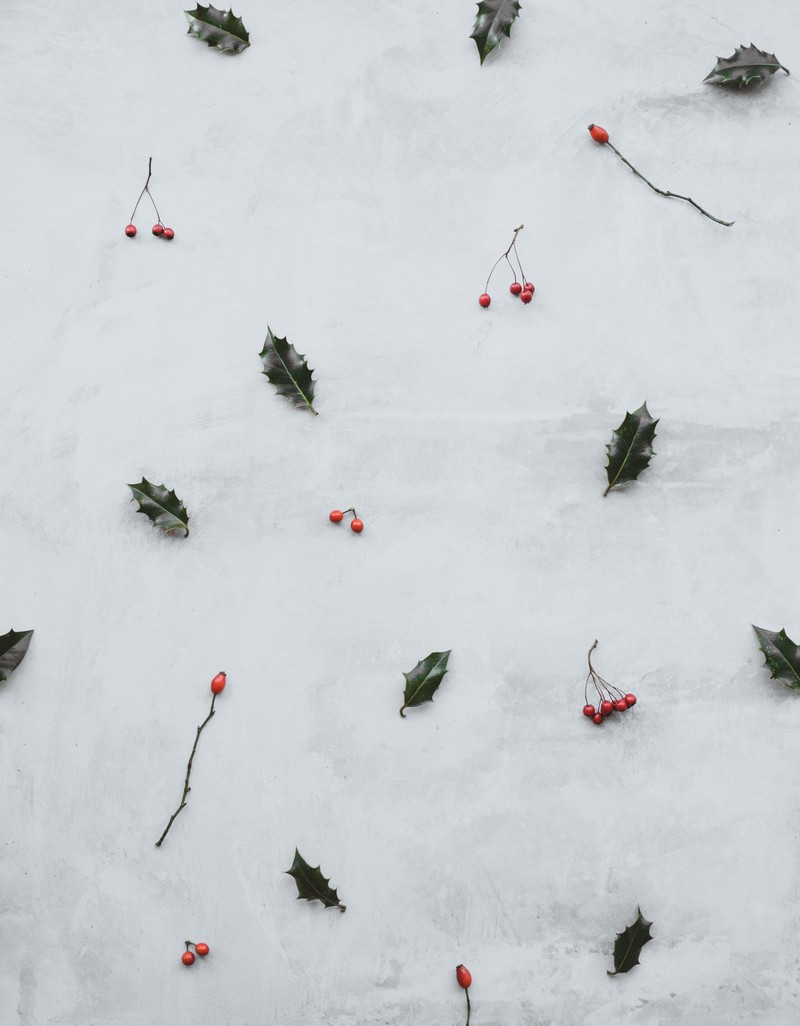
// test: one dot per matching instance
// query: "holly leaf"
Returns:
(423, 681)
(493, 21)
(631, 448)
(748, 64)
(13, 647)
(312, 885)
(218, 28)
(163, 507)
(288, 371)
(781, 655)
(628, 945)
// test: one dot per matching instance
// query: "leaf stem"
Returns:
(186, 788)
(669, 195)
(504, 256)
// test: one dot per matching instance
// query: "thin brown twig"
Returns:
(664, 192)
(186, 788)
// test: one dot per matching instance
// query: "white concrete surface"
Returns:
(349, 180)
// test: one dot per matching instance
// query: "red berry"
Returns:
(606, 708)
(515, 288)
(530, 288)
(598, 718)
(187, 958)
(158, 229)
(598, 134)
(620, 705)
(464, 976)
(630, 700)
(130, 231)
(201, 949)
(526, 296)
(168, 233)
(335, 516)
(484, 299)
(356, 525)
(588, 710)
(218, 683)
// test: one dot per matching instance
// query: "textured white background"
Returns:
(349, 180)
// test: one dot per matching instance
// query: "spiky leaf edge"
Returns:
(197, 34)
(410, 702)
(650, 426)
(640, 919)
(769, 640)
(180, 524)
(299, 864)
(484, 51)
(269, 341)
(19, 642)
(726, 76)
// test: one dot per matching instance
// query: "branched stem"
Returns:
(669, 195)
(147, 190)
(186, 788)
(504, 256)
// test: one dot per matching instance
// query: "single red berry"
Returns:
(530, 288)
(201, 949)
(606, 708)
(484, 299)
(187, 958)
(526, 296)
(218, 683)
(598, 718)
(515, 288)
(335, 516)
(464, 976)
(598, 134)
(356, 525)
(130, 231)
(620, 705)
(168, 233)
(158, 229)
(630, 700)
(588, 710)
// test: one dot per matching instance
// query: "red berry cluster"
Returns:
(609, 698)
(524, 289)
(160, 230)
(202, 950)
(336, 515)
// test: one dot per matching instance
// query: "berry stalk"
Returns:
(600, 135)
(217, 684)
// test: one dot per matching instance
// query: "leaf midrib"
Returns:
(155, 502)
(289, 374)
(639, 427)
(425, 679)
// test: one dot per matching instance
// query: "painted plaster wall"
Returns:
(348, 181)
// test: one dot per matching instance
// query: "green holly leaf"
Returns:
(312, 885)
(13, 647)
(493, 21)
(781, 655)
(631, 448)
(628, 945)
(163, 507)
(218, 28)
(423, 681)
(748, 64)
(288, 371)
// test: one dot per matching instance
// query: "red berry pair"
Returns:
(160, 230)
(336, 516)
(188, 958)
(610, 698)
(524, 289)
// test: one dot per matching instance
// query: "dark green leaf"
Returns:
(218, 28)
(312, 885)
(13, 647)
(748, 64)
(781, 655)
(493, 21)
(628, 945)
(631, 448)
(288, 371)
(424, 679)
(163, 507)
